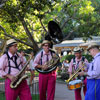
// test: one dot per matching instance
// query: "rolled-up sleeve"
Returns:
(36, 60)
(3, 64)
(95, 73)
(70, 66)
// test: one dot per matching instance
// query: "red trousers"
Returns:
(22, 91)
(47, 84)
(78, 91)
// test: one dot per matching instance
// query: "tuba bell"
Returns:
(52, 64)
(55, 36)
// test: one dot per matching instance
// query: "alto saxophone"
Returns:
(21, 76)
(76, 73)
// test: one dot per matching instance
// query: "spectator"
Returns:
(32, 69)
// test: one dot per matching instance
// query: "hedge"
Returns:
(69, 57)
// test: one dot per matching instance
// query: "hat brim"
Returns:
(92, 47)
(45, 43)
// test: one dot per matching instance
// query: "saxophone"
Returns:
(21, 76)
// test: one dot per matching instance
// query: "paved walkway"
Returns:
(62, 93)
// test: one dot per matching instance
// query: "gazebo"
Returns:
(70, 44)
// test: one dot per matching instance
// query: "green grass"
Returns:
(2, 79)
(2, 96)
(34, 97)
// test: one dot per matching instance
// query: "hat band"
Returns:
(78, 51)
(9, 45)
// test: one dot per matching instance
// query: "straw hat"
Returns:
(11, 42)
(45, 42)
(92, 45)
(77, 49)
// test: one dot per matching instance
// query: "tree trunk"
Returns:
(35, 46)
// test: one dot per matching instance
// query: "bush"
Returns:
(64, 76)
(69, 57)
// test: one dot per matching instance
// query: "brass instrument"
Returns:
(52, 64)
(53, 61)
(55, 36)
(75, 74)
(21, 76)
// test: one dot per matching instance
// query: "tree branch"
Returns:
(2, 3)
(43, 26)
(69, 34)
(5, 33)
(35, 46)
(65, 22)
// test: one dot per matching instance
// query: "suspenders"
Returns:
(74, 62)
(42, 56)
(15, 62)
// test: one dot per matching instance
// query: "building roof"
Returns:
(78, 42)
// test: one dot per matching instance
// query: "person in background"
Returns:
(22, 53)
(93, 74)
(31, 68)
(74, 65)
(11, 64)
(65, 65)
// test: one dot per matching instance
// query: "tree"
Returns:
(18, 14)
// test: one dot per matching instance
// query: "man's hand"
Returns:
(11, 77)
(81, 73)
(44, 67)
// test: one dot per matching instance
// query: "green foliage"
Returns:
(85, 15)
(81, 17)
(69, 57)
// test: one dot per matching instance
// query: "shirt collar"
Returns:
(46, 53)
(98, 54)
(9, 53)
(78, 59)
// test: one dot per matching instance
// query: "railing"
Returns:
(33, 88)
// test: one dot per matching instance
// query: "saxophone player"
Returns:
(10, 65)
(74, 65)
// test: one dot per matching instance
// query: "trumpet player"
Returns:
(93, 74)
(10, 65)
(74, 65)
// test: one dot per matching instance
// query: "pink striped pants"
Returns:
(22, 91)
(47, 84)
(78, 91)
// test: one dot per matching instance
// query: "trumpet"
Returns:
(76, 73)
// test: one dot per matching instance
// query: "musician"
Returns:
(47, 81)
(74, 65)
(11, 64)
(93, 74)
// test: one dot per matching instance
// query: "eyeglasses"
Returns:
(46, 45)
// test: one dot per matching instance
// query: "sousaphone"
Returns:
(55, 36)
